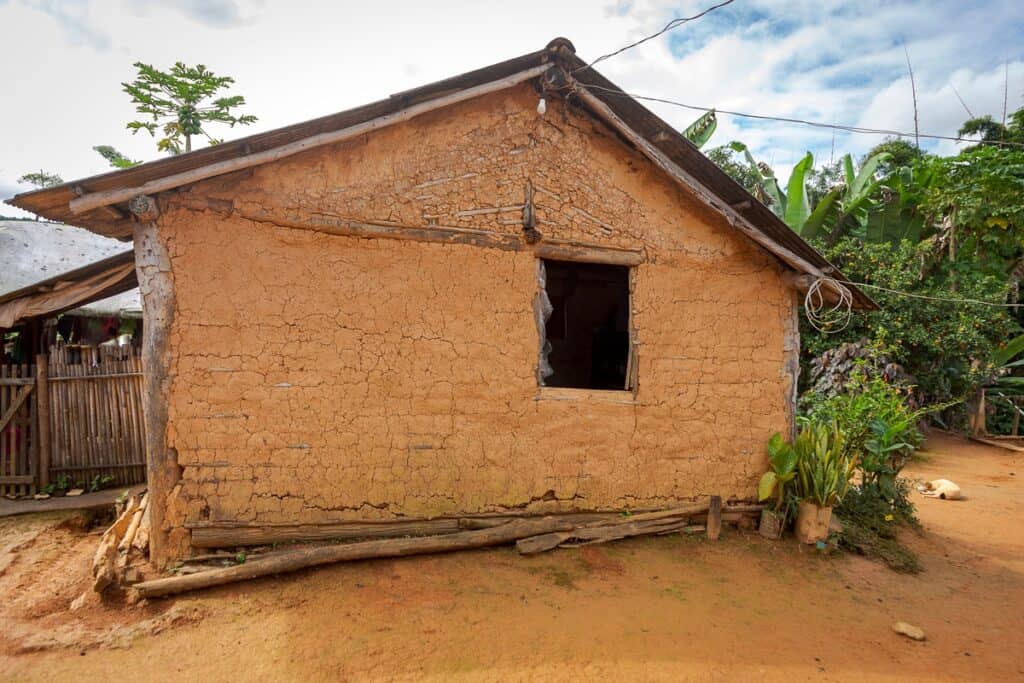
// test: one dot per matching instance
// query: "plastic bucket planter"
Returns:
(812, 522)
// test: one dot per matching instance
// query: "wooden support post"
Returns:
(714, 518)
(43, 417)
(162, 472)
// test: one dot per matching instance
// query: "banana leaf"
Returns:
(701, 130)
(798, 210)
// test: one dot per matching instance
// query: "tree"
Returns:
(181, 101)
(114, 157)
(41, 179)
(901, 153)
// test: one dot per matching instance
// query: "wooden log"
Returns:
(129, 535)
(104, 561)
(569, 251)
(310, 557)
(714, 518)
(598, 534)
(43, 421)
(141, 540)
(230, 537)
(153, 266)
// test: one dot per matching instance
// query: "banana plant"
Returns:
(842, 208)
(854, 199)
(701, 130)
(782, 461)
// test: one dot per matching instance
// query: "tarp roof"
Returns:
(655, 137)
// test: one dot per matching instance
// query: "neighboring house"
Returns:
(449, 303)
(49, 270)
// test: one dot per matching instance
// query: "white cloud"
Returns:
(829, 61)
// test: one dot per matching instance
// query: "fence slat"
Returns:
(95, 419)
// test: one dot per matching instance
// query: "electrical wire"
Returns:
(675, 23)
(804, 122)
(828, 320)
(952, 300)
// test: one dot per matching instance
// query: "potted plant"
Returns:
(782, 469)
(823, 477)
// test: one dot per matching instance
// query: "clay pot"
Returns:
(771, 524)
(812, 522)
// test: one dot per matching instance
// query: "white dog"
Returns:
(940, 488)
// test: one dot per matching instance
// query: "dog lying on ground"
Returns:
(940, 488)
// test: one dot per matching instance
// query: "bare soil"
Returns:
(665, 608)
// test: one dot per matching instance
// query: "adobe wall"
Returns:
(318, 377)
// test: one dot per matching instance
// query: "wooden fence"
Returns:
(79, 418)
(19, 447)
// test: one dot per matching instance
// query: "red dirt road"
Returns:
(666, 608)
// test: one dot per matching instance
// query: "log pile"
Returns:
(531, 536)
(123, 545)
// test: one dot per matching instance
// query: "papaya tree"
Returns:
(182, 103)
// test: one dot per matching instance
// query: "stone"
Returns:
(86, 599)
(75, 492)
(41, 496)
(909, 630)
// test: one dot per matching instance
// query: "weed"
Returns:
(871, 523)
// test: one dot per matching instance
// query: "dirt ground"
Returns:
(665, 608)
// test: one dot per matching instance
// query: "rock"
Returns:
(908, 630)
(41, 496)
(75, 492)
(85, 599)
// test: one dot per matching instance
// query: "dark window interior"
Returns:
(589, 325)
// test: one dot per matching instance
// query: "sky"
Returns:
(825, 60)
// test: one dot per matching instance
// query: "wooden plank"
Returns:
(587, 253)
(16, 403)
(17, 479)
(714, 523)
(95, 200)
(102, 376)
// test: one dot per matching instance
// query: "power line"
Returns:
(952, 300)
(784, 119)
(668, 27)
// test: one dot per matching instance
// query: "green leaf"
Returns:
(814, 226)
(701, 130)
(797, 207)
(766, 486)
(1004, 355)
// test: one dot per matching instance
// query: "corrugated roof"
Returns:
(34, 253)
(113, 220)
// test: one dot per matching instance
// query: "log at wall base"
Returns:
(311, 557)
(609, 526)
(207, 537)
(230, 537)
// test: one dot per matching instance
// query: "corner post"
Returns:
(153, 266)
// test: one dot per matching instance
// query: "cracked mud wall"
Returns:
(318, 377)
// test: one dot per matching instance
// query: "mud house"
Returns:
(514, 291)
